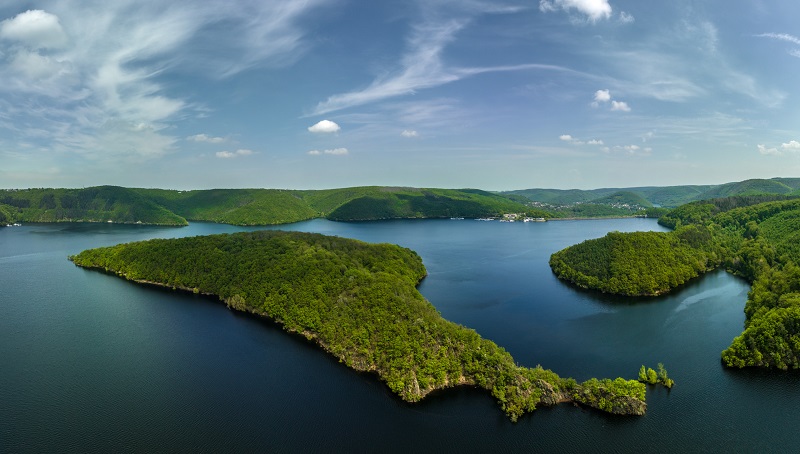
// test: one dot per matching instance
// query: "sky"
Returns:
(314, 94)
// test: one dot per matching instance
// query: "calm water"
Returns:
(91, 363)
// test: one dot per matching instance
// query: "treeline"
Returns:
(97, 204)
(755, 236)
(360, 303)
(637, 263)
(251, 206)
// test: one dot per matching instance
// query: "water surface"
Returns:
(92, 363)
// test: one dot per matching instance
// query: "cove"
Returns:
(97, 364)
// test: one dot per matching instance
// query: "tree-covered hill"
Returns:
(96, 204)
(248, 206)
(756, 237)
(394, 203)
(638, 263)
(665, 196)
(360, 303)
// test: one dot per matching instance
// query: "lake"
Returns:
(92, 363)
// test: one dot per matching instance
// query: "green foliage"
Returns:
(97, 204)
(393, 203)
(624, 198)
(652, 377)
(617, 396)
(358, 301)
(755, 236)
(638, 263)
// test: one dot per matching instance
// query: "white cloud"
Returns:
(795, 53)
(409, 133)
(36, 29)
(324, 127)
(792, 145)
(334, 152)
(575, 141)
(421, 65)
(602, 96)
(234, 154)
(83, 72)
(626, 18)
(593, 9)
(781, 37)
(762, 149)
(620, 106)
(205, 138)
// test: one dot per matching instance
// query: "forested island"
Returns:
(756, 237)
(360, 303)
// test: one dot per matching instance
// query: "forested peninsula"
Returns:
(359, 302)
(756, 237)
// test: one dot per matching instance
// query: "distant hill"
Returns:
(96, 204)
(628, 198)
(249, 206)
(665, 196)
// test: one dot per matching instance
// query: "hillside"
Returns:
(98, 204)
(666, 196)
(750, 236)
(359, 302)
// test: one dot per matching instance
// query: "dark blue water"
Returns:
(91, 363)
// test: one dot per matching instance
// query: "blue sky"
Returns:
(319, 94)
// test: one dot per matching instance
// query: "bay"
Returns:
(91, 363)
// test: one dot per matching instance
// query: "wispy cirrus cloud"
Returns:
(205, 138)
(87, 71)
(785, 37)
(422, 65)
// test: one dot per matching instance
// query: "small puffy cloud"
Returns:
(324, 127)
(620, 106)
(566, 138)
(762, 149)
(602, 96)
(36, 29)
(593, 9)
(793, 145)
(234, 154)
(409, 133)
(334, 152)
(205, 138)
(595, 142)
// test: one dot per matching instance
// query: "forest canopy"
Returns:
(360, 303)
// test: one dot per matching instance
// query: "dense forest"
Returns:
(665, 196)
(754, 236)
(637, 263)
(282, 206)
(360, 303)
(250, 206)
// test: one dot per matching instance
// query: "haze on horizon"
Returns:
(318, 94)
